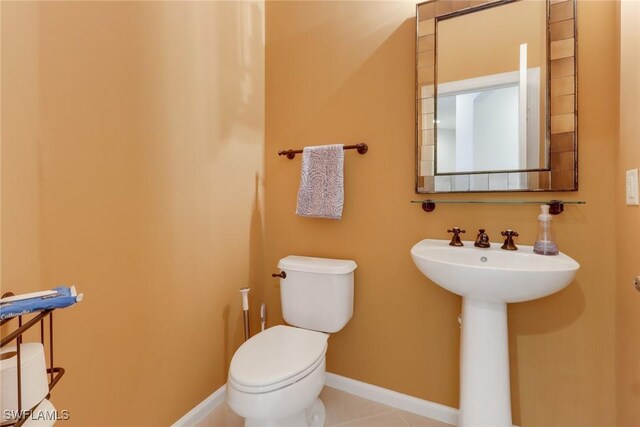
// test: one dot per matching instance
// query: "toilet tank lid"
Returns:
(317, 265)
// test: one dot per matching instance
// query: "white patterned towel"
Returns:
(321, 192)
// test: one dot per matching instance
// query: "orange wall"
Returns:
(343, 71)
(132, 166)
(20, 201)
(628, 220)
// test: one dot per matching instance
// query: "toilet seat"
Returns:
(276, 358)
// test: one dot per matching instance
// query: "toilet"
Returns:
(276, 376)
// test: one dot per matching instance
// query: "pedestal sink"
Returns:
(488, 279)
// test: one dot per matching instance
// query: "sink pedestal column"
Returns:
(485, 396)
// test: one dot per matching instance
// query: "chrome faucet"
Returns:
(508, 242)
(482, 241)
(455, 240)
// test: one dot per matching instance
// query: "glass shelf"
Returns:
(556, 206)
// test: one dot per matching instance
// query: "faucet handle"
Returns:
(456, 230)
(482, 241)
(455, 240)
(508, 242)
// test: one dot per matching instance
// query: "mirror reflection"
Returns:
(491, 91)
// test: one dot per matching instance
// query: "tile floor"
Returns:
(343, 409)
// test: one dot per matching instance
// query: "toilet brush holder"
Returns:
(245, 312)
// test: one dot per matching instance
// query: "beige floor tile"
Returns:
(385, 420)
(343, 407)
(414, 420)
(222, 416)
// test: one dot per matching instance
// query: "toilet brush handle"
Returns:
(245, 312)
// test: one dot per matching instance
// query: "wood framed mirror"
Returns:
(496, 96)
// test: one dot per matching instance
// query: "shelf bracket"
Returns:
(428, 206)
(556, 207)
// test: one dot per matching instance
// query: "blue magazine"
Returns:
(18, 305)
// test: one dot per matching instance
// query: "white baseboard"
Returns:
(394, 399)
(203, 409)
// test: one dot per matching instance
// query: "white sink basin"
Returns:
(488, 279)
(493, 274)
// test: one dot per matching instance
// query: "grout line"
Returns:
(369, 417)
(384, 409)
(398, 413)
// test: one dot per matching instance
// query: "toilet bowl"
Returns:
(276, 376)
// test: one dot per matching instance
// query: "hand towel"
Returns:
(321, 192)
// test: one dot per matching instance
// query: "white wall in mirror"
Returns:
(479, 122)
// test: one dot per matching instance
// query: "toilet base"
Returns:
(313, 416)
(316, 414)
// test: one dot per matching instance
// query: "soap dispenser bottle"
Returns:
(545, 244)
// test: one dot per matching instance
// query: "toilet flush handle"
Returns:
(281, 275)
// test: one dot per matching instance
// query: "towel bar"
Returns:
(362, 148)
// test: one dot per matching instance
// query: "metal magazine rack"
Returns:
(24, 324)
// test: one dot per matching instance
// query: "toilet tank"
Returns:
(317, 293)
